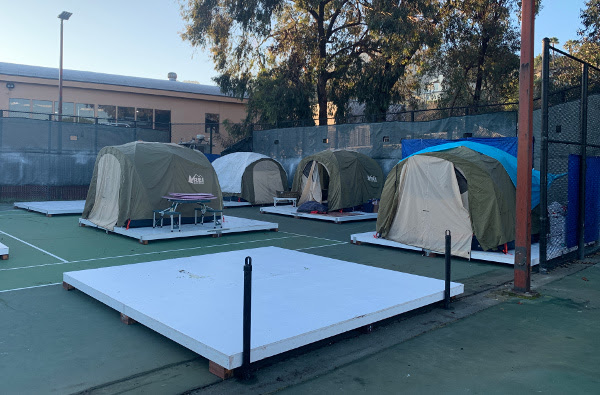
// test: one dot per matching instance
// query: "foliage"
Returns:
(306, 52)
(478, 59)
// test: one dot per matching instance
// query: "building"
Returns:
(185, 109)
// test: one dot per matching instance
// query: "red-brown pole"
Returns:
(524, 155)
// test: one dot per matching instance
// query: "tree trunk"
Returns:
(322, 99)
(479, 80)
(322, 76)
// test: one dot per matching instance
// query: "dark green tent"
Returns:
(458, 189)
(342, 178)
(130, 180)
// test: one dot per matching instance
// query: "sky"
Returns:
(142, 37)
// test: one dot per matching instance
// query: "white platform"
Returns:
(292, 211)
(498, 257)
(230, 225)
(3, 251)
(229, 204)
(54, 206)
(297, 299)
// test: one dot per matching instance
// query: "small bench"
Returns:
(172, 214)
(203, 210)
(284, 199)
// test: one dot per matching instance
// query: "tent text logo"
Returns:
(196, 179)
(372, 178)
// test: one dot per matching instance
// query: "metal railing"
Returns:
(570, 145)
(86, 120)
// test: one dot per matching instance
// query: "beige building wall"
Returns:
(186, 108)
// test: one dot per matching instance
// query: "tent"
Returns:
(254, 177)
(453, 187)
(340, 177)
(130, 180)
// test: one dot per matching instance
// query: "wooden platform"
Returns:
(498, 257)
(3, 252)
(333, 216)
(230, 225)
(297, 299)
(53, 207)
(230, 204)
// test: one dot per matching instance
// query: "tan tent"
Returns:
(130, 180)
(340, 177)
(253, 177)
(457, 189)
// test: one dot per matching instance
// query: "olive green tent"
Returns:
(130, 180)
(458, 189)
(340, 177)
(254, 177)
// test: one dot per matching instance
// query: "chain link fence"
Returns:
(51, 160)
(381, 141)
(568, 125)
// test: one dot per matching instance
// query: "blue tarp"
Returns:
(508, 161)
(592, 204)
(212, 157)
(506, 144)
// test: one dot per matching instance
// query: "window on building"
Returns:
(42, 109)
(19, 108)
(68, 111)
(126, 116)
(85, 113)
(107, 114)
(211, 122)
(143, 116)
(162, 119)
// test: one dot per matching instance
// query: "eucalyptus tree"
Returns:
(339, 49)
(478, 57)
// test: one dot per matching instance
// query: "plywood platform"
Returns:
(499, 257)
(230, 225)
(230, 204)
(3, 252)
(332, 216)
(297, 299)
(53, 207)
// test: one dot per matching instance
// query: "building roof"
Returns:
(22, 70)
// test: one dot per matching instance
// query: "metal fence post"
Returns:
(583, 162)
(247, 318)
(448, 275)
(544, 155)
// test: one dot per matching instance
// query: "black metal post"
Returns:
(583, 163)
(544, 155)
(247, 317)
(448, 275)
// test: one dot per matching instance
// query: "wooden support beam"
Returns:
(127, 320)
(4, 257)
(219, 371)
(67, 286)
(522, 269)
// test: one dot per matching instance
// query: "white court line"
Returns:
(35, 286)
(326, 245)
(313, 237)
(143, 253)
(37, 248)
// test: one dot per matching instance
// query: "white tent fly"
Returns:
(251, 176)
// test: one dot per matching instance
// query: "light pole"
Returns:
(64, 16)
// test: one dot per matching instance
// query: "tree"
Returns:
(332, 43)
(478, 58)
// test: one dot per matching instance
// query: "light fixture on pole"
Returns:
(64, 16)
